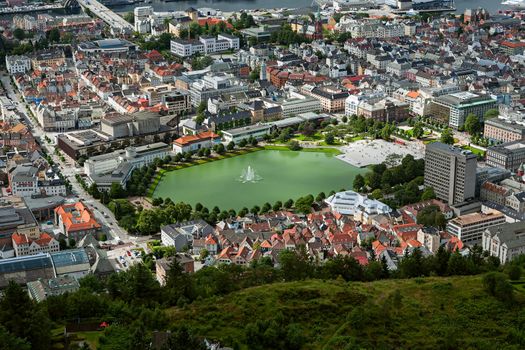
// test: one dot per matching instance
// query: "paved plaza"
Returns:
(366, 152)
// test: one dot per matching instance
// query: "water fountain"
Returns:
(249, 175)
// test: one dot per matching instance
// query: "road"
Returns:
(108, 16)
(69, 170)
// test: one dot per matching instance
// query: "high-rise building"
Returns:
(451, 172)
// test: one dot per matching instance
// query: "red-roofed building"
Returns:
(191, 143)
(513, 47)
(406, 232)
(24, 244)
(76, 220)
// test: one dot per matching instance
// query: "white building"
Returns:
(353, 102)
(505, 241)
(205, 45)
(256, 131)
(192, 143)
(136, 156)
(470, 227)
(357, 205)
(24, 244)
(17, 64)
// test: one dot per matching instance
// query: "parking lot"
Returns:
(122, 257)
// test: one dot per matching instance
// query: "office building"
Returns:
(503, 130)
(451, 172)
(506, 156)
(455, 107)
(469, 228)
(506, 241)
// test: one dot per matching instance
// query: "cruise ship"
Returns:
(515, 4)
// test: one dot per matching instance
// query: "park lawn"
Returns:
(316, 137)
(330, 150)
(420, 313)
(476, 151)
(355, 138)
(91, 338)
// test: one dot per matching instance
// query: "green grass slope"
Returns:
(430, 313)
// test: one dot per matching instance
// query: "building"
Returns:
(24, 244)
(512, 48)
(20, 220)
(23, 180)
(41, 289)
(451, 172)
(205, 45)
(213, 85)
(76, 220)
(256, 131)
(454, 108)
(506, 241)
(17, 64)
(506, 156)
(502, 130)
(494, 193)
(123, 125)
(430, 238)
(135, 156)
(332, 98)
(106, 46)
(357, 205)
(163, 266)
(469, 228)
(26, 269)
(182, 235)
(298, 103)
(192, 143)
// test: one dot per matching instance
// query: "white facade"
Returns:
(505, 241)
(205, 45)
(17, 64)
(255, 131)
(31, 247)
(353, 203)
(137, 156)
(469, 228)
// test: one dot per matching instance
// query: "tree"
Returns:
(491, 113)
(230, 146)
(472, 124)
(295, 265)
(53, 35)
(329, 139)
(428, 193)
(514, 272)
(19, 34)
(130, 17)
(243, 143)
(277, 206)
(117, 191)
(293, 145)
(496, 284)
(418, 131)
(288, 204)
(447, 137)
(183, 339)
(359, 183)
(304, 204)
(220, 149)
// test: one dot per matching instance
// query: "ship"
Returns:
(515, 4)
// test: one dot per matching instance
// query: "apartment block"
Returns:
(470, 227)
(503, 130)
(451, 172)
(506, 156)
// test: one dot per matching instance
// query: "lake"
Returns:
(284, 175)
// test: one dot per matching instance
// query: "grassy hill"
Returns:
(429, 313)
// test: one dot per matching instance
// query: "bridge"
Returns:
(116, 22)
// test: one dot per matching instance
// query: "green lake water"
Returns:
(285, 175)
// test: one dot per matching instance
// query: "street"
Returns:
(69, 169)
